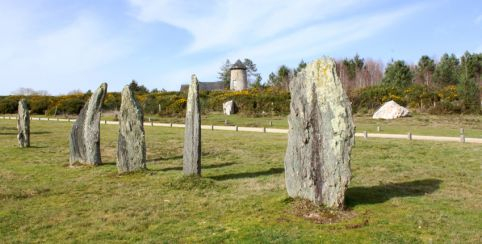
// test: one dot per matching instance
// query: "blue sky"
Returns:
(60, 46)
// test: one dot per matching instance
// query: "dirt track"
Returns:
(284, 131)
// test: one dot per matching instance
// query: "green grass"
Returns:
(401, 192)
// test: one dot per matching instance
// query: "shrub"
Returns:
(70, 105)
(9, 104)
(469, 94)
(39, 104)
(373, 97)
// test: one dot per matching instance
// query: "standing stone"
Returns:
(391, 110)
(23, 124)
(320, 137)
(192, 133)
(131, 144)
(85, 133)
(229, 107)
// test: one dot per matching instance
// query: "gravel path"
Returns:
(284, 131)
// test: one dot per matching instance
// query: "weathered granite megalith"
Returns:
(131, 144)
(320, 136)
(391, 110)
(229, 107)
(192, 133)
(85, 133)
(23, 124)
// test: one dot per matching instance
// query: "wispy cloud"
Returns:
(227, 24)
(77, 47)
(323, 37)
(271, 31)
(64, 46)
(60, 53)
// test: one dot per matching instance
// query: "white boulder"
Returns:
(229, 107)
(391, 110)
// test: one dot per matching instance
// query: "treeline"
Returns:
(451, 85)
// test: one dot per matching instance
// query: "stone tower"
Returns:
(239, 78)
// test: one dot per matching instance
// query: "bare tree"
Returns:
(22, 91)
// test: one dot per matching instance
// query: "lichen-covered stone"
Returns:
(85, 133)
(23, 124)
(131, 144)
(320, 137)
(229, 107)
(192, 133)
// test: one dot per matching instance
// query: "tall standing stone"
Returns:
(23, 124)
(85, 133)
(320, 137)
(192, 133)
(131, 144)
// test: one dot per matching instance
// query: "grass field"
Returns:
(401, 192)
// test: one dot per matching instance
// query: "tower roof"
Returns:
(238, 65)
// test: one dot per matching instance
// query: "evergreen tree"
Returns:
(257, 82)
(425, 69)
(136, 88)
(468, 88)
(272, 79)
(398, 75)
(224, 74)
(447, 71)
(284, 77)
(471, 65)
(300, 67)
(469, 94)
(353, 66)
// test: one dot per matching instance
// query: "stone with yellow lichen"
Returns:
(320, 137)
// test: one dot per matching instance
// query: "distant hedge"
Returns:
(267, 101)
(250, 102)
(421, 98)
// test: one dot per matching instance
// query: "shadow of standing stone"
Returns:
(320, 136)
(192, 133)
(361, 195)
(131, 144)
(23, 124)
(85, 133)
